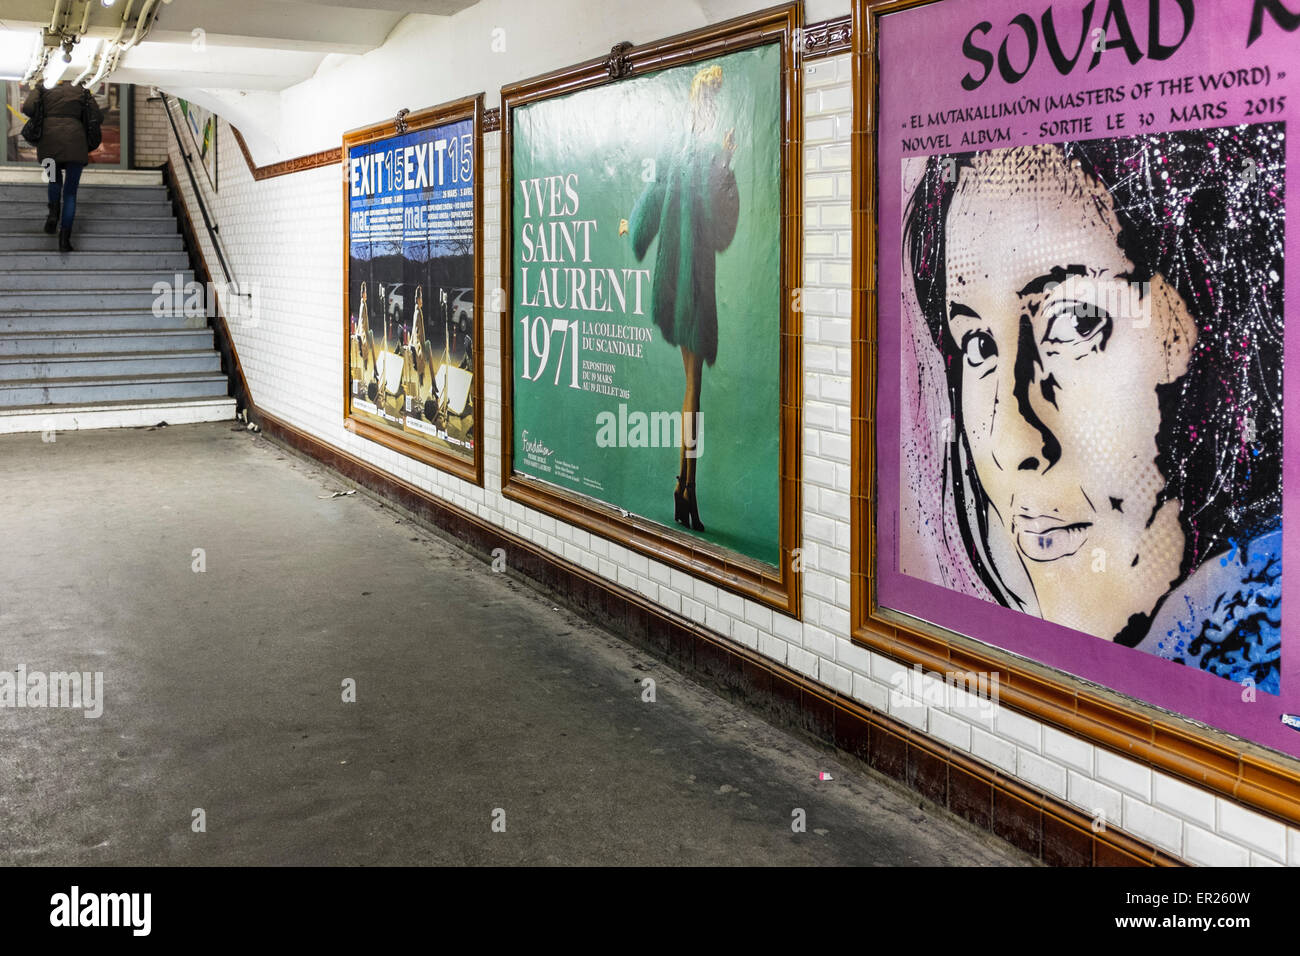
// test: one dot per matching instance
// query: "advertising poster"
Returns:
(412, 286)
(202, 125)
(1087, 333)
(646, 297)
(110, 99)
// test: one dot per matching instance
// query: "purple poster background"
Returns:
(922, 65)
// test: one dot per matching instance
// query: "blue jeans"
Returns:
(67, 177)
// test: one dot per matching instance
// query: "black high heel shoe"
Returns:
(681, 510)
(694, 512)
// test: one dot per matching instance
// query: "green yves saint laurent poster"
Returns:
(646, 296)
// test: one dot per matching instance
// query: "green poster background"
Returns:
(617, 138)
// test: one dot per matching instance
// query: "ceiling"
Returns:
(265, 45)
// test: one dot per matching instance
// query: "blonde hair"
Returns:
(708, 79)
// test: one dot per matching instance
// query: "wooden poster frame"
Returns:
(778, 587)
(468, 108)
(1235, 769)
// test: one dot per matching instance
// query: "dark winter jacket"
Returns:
(63, 137)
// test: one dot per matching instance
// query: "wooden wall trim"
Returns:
(326, 157)
(1237, 770)
(1035, 821)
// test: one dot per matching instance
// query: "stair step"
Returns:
(39, 368)
(57, 322)
(93, 261)
(137, 226)
(37, 192)
(93, 175)
(69, 301)
(85, 342)
(118, 342)
(39, 242)
(91, 390)
(72, 278)
(90, 209)
(53, 419)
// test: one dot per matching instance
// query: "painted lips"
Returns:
(1046, 539)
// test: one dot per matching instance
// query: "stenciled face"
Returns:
(1061, 356)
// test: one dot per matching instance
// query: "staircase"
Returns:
(82, 344)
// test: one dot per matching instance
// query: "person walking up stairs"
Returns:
(67, 122)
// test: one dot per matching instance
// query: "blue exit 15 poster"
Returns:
(411, 285)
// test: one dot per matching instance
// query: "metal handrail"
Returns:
(208, 223)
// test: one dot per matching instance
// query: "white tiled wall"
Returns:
(149, 129)
(285, 234)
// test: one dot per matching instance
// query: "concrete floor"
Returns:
(223, 692)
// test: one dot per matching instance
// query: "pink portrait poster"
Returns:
(1086, 428)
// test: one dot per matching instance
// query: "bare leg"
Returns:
(686, 402)
(694, 368)
(690, 410)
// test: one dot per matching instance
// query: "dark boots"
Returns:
(52, 226)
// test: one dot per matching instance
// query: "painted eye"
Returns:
(978, 347)
(1076, 322)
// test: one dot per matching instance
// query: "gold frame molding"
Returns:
(777, 587)
(1238, 770)
(470, 108)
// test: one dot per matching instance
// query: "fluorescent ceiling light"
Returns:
(54, 70)
(18, 51)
